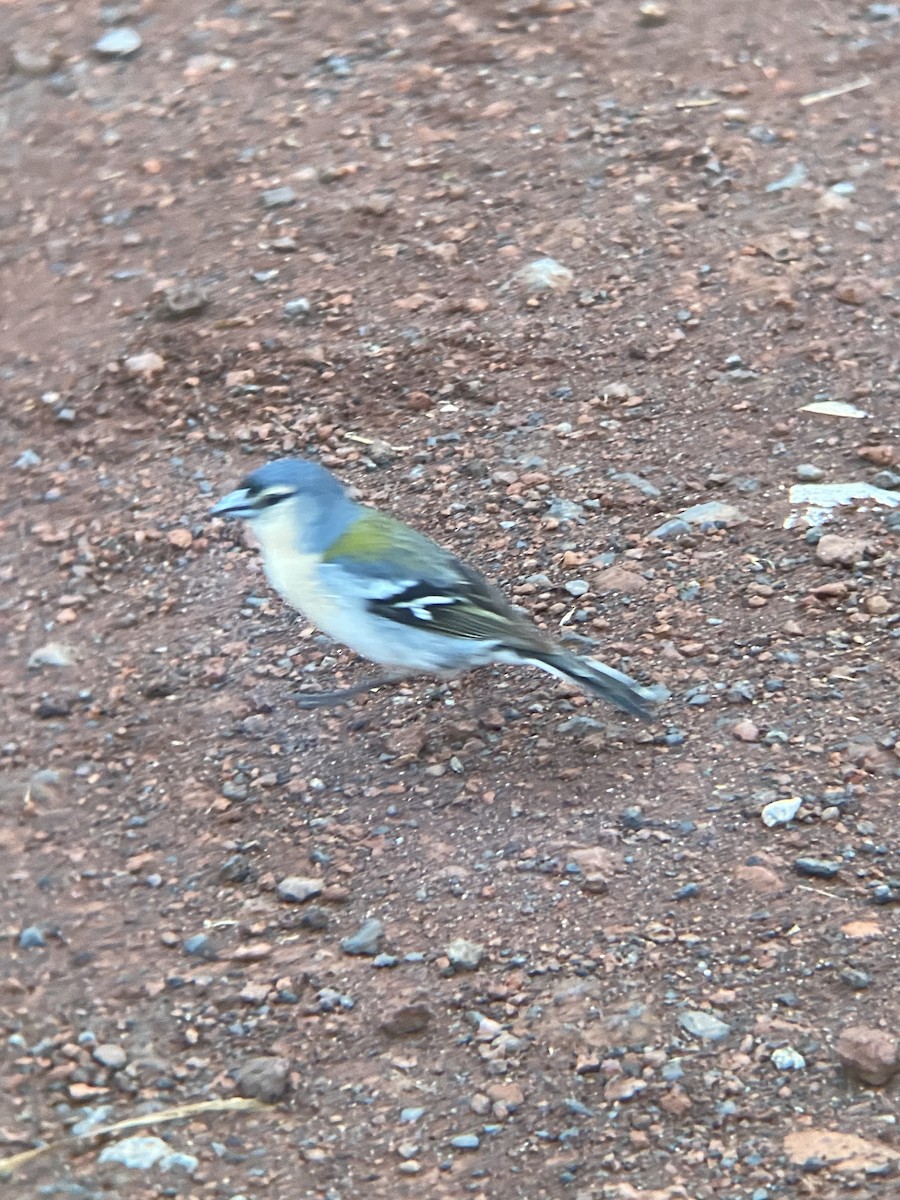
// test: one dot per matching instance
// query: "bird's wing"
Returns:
(405, 577)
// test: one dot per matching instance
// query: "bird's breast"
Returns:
(296, 577)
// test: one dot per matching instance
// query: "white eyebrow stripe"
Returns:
(422, 602)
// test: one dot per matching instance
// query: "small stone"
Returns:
(34, 61)
(297, 308)
(264, 1078)
(878, 605)
(378, 204)
(315, 917)
(785, 1058)
(855, 979)
(328, 1000)
(834, 550)
(464, 955)
(31, 938)
(465, 1141)
(651, 15)
(809, 473)
(578, 587)
(889, 480)
(53, 706)
(52, 654)
(407, 1020)
(853, 291)
(298, 890)
(279, 197)
(870, 1055)
(817, 868)
(670, 529)
(703, 1025)
(118, 43)
(745, 731)
(148, 363)
(544, 275)
(712, 514)
(110, 1055)
(779, 812)
(179, 1162)
(139, 1153)
(199, 945)
(185, 299)
(881, 455)
(237, 868)
(367, 939)
(409, 1116)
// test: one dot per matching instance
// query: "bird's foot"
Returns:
(335, 699)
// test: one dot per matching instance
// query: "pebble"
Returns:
(31, 938)
(785, 1058)
(544, 275)
(32, 61)
(235, 791)
(406, 1020)
(185, 299)
(279, 197)
(745, 731)
(118, 43)
(464, 955)
(200, 945)
(636, 481)
(779, 812)
(264, 1078)
(670, 529)
(385, 960)
(889, 480)
(578, 587)
(834, 550)
(297, 890)
(110, 1055)
(148, 362)
(141, 1153)
(367, 939)
(809, 473)
(410, 1115)
(817, 868)
(703, 1025)
(465, 1141)
(51, 654)
(328, 1000)
(711, 514)
(314, 917)
(856, 979)
(870, 1055)
(296, 308)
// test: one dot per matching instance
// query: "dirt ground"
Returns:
(306, 229)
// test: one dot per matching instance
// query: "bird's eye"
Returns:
(267, 499)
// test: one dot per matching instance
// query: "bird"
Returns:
(392, 594)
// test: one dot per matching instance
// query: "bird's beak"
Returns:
(235, 504)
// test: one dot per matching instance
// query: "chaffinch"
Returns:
(391, 594)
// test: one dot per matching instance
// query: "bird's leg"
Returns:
(334, 699)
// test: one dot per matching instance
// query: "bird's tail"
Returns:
(596, 678)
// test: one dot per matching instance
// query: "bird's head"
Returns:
(290, 494)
